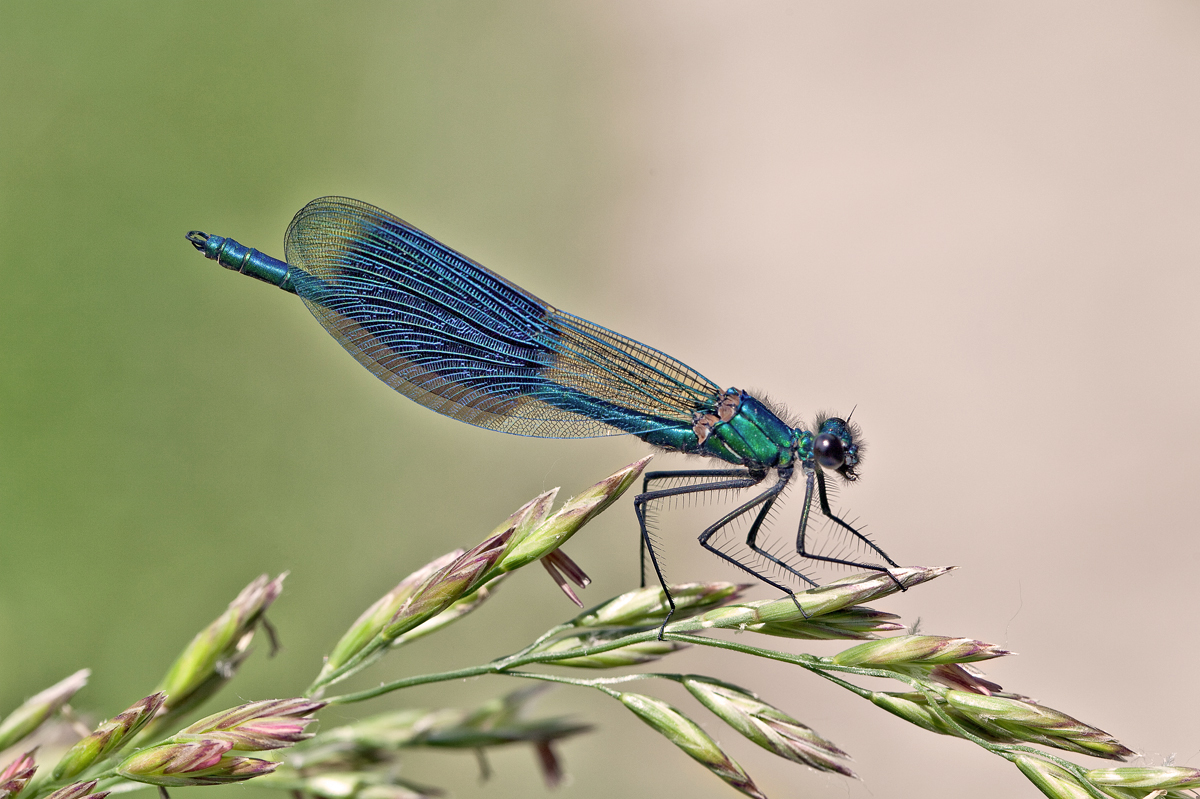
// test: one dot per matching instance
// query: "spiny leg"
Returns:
(752, 535)
(743, 479)
(766, 499)
(823, 500)
(651, 477)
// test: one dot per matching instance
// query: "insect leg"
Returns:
(742, 478)
(752, 536)
(651, 477)
(823, 501)
(766, 499)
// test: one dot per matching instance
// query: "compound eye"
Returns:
(829, 451)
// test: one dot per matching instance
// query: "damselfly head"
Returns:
(837, 446)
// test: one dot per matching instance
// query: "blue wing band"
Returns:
(454, 336)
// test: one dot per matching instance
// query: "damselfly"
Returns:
(463, 341)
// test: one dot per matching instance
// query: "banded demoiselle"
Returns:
(461, 340)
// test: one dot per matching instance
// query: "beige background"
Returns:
(974, 222)
(977, 223)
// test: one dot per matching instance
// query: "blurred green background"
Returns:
(976, 223)
(168, 433)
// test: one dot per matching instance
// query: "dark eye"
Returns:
(829, 451)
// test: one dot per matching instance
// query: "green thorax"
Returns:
(739, 430)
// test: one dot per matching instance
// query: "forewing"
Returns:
(463, 341)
